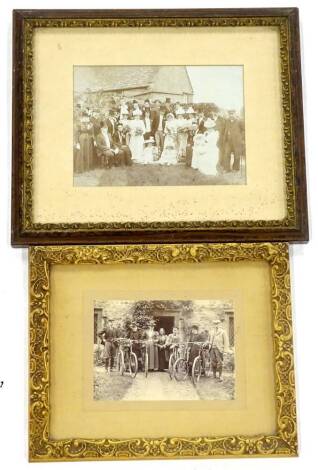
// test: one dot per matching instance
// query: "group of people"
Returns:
(159, 345)
(202, 137)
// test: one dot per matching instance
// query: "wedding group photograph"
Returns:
(159, 125)
(164, 350)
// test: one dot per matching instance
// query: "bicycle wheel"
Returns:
(172, 361)
(121, 363)
(146, 364)
(196, 370)
(180, 369)
(133, 365)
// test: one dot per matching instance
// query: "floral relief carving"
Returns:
(95, 229)
(42, 447)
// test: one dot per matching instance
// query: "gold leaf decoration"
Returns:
(43, 448)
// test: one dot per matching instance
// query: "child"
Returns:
(150, 151)
(199, 150)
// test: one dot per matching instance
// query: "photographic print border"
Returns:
(43, 448)
(294, 227)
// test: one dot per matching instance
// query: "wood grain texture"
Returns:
(293, 228)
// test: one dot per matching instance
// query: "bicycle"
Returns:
(127, 359)
(181, 365)
(172, 359)
(202, 363)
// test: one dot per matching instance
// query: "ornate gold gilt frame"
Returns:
(43, 448)
(292, 227)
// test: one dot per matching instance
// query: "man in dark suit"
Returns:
(119, 141)
(231, 142)
(106, 336)
(108, 153)
(158, 124)
(189, 149)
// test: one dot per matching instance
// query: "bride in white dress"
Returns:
(169, 154)
(205, 151)
(136, 143)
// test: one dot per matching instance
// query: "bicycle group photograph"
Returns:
(164, 350)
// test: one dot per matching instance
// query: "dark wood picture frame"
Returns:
(294, 227)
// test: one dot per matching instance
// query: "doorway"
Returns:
(166, 322)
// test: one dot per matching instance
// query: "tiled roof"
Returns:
(118, 77)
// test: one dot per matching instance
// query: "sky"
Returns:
(220, 84)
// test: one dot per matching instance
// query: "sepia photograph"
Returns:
(159, 125)
(164, 350)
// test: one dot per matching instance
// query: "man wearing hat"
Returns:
(106, 336)
(219, 344)
(231, 142)
(136, 336)
(120, 142)
(110, 120)
(107, 154)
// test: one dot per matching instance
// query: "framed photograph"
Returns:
(161, 351)
(183, 131)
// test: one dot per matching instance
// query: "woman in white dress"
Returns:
(136, 142)
(205, 152)
(169, 153)
(124, 112)
(199, 149)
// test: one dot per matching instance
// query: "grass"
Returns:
(110, 386)
(154, 175)
(211, 389)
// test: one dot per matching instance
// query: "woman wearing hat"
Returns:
(169, 153)
(190, 115)
(146, 117)
(152, 349)
(136, 142)
(84, 149)
(124, 112)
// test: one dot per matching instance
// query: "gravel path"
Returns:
(159, 386)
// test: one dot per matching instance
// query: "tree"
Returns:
(143, 314)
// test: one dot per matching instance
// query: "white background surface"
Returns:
(14, 276)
